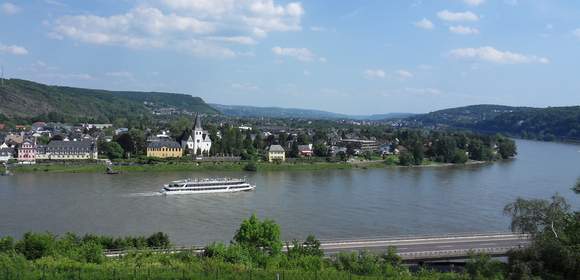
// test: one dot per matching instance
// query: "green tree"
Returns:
(507, 148)
(111, 150)
(158, 240)
(460, 156)
(251, 166)
(535, 216)
(406, 159)
(260, 235)
(36, 245)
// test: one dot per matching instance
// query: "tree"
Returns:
(406, 159)
(507, 148)
(460, 156)
(576, 187)
(536, 215)
(111, 150)
(418, 153)
(126, 141)
(320, 150)
(158, 240)
(260, 235)
(35, 245)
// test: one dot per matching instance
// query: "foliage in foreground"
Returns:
(555, 251)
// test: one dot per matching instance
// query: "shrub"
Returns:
(158, 240)
(36, 245)
(251, 166)
(6, 244)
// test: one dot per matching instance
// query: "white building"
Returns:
(199, 139)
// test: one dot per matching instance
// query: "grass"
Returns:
(181, 165)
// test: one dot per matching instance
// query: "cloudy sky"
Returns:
(357, 57)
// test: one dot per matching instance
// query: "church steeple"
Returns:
(197, 125)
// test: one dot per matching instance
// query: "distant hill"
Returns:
(25, 99)
(550, 123)
(277, 112)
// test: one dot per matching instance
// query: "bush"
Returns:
(406, 159)
(36, 245)
(158, 240)
(251, 167)
(460, 156)
(6, 244)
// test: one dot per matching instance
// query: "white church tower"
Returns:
(199, 140)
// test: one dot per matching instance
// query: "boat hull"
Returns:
(228, 189)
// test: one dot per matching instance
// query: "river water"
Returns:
(329, 204)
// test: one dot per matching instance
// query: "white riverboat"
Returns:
(200, 186)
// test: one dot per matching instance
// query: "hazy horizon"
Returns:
(355, 58)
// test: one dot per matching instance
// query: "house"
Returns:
(2, 126)
(121, 130)
(305, 150)
(14, 140)
(99, 126)
(198, 142)
(276, 153)
(164, 149)
(6, 154)
(27, 152)
(67, 150)
(38, 126)
(363, 145)
(386, 149)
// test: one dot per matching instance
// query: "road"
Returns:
(433, 246)
(413, 248)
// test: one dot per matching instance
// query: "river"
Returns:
(330, 203)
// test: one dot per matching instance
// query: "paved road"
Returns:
(454, 245)
(414, 248)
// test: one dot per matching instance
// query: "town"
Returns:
(186, 138)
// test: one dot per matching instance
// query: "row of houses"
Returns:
(29, 152)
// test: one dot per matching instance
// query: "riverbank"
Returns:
(220, 166)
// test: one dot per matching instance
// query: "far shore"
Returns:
(221, 166)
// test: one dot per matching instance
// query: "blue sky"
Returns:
(355, 57)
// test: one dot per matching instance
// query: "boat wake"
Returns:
(143, 194)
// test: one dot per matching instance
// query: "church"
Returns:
(199, 140)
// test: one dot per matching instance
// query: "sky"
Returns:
(353, 57)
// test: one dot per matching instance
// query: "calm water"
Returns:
(329, 204)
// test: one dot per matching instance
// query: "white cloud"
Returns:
(576, 33)
(302, 54)
(463, 30)
(242, 40)
(121, 74)
(244, 87)
(375, 74)
(493, 55)
(459, 16)
(13, 49)
(317, 28)
(404, 74)
(424, 24)
(202, 27)
(8, 8)
(422, 92)
(474, 2)
(68, 76)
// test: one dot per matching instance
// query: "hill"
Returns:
(21, 99)
(552, 123)
(277, 112)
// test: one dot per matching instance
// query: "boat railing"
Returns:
(206, 180)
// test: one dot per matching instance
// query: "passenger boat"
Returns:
(199, 186)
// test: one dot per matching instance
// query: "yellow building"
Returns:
(276, 153)
(164, 149)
